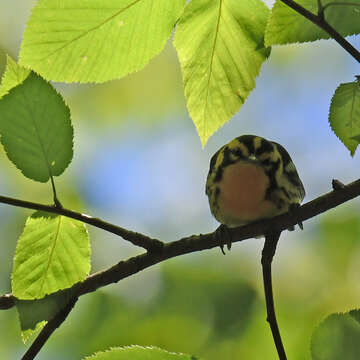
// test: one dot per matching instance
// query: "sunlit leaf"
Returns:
(96, 40)
(287, 26)
(52, 253)
(139, 353)
(13, 76)
(337, 337)
(36, 129)
(344, 116)
(220, 47)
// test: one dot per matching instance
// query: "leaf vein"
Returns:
(91, 29)
(211, 67)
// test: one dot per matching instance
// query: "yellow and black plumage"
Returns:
(252, 178)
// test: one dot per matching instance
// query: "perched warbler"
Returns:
(252, 178)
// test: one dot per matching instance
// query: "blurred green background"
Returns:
(138, 162)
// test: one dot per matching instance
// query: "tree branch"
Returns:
(320, 11)
(123, 269)
(56, 199)
(48, 329)
(208, 241)
(320, 21)
(135, 238)
(7, 301)
(193, 243)
(268, 253)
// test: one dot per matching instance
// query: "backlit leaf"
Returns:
(221, 49)
(344, 116)
(36, 129)
(52, 254)
(287, 26)
(14, 75)
(138, 353)
(337, 337)
(96, 40)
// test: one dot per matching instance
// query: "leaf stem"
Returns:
(320, 10)
(56, 200)
(268, 253)
(319, 21)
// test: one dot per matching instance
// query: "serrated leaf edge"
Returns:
(71, 126)
(352, 153)
(131, 347)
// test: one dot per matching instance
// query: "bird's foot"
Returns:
(223, 236)
(292, 208)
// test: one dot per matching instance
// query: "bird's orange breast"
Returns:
(242, 194)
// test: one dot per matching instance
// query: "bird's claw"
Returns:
(223, 236)
(292, 208)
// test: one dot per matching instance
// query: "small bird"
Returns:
(252, 178)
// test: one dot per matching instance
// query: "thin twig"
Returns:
(325, 26)
(57, 203)
(320, 11)
(48, 329)
(208, 241)
(268, 253)
(135, 238)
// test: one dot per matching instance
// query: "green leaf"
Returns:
(221, 49)
(36, 129)
(138, 353)
(52, 254)
(28, 334)
(96, 40)
(287, 26)
(344, 116)
(355, 314)
(337, 337)
(13, 76)
(356, 138)
(31, 312)
(34, 314)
